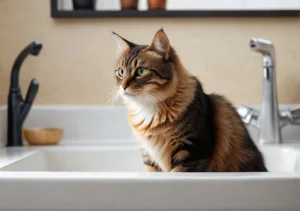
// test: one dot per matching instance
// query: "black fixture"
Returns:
(174, 13)
(18, 108)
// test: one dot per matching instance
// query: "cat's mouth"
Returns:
(129, 94)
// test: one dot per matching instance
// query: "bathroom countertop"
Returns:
(9, 155)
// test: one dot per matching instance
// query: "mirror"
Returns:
(186, 5)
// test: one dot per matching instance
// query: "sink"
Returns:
(112, 178)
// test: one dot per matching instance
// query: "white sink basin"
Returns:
(281, 159)
(112, 178)
(84, 159)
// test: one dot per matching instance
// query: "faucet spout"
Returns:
(34, 49)
(268, 121)
(18, 108)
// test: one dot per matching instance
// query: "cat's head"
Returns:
(146, 73)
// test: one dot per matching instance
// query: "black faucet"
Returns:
(17, 107)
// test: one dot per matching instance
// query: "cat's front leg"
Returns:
(149, 164)
(151, 167)
(179, 168)
(193, 166)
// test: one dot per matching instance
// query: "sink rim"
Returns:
(31, 151)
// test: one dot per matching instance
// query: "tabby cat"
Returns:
(180, 128)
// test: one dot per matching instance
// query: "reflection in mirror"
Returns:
(111, 5)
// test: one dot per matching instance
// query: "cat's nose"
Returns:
(124, 86)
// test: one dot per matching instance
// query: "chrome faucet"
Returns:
(18, 108)
(269, 120)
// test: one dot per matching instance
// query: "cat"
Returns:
(179, 127)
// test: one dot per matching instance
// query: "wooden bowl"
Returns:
(43, 136)
(157, 4)
(129, 4)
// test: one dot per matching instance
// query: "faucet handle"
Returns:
(296, 116)
(289, 116)
(248, 115)
(32, 91)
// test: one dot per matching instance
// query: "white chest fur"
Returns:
(142, 114)
(157, 149)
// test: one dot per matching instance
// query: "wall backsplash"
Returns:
(76, 63)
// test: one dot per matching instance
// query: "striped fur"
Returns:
(180, 128)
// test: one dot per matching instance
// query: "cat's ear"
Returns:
(123, 44)
(161, 44)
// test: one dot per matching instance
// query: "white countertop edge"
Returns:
(217, 176)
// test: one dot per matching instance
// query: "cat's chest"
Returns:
(146, 123)
(142, 117)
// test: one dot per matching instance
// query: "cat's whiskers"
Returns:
(113, 98)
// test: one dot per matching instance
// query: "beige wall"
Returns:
(76, 63)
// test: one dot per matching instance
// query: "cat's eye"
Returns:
(121, 72)
(141, 71)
